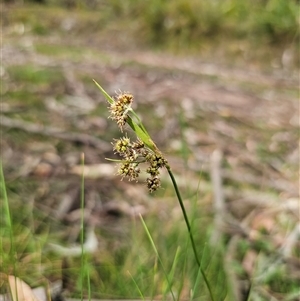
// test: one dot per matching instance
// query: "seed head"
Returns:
(153, 184)
(119, 109)
(122, 146)
(134, 153)
(129, 170)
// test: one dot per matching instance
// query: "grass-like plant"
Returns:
(143, 151)
(8, 224)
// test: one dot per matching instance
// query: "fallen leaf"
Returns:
(20, 291)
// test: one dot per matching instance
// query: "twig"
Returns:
(54, 132)
(219, 221)
(219, 202)
(89, 246)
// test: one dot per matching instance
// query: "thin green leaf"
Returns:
(139, 122)
(196, 284)
(141, 134)
(158, 257)
(137, 287)
(115, 160)
(172, 272)
(109, 98)
(125, 161)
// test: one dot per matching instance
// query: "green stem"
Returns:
(184, 215)
(189, 230)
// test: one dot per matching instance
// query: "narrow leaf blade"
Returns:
(141, 134)
(108, 98)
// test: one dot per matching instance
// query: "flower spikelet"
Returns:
(122, 146)
(129, 170)
(153, 183)
(138, 152)
(134, 154)
(155, 161)
(120, 107)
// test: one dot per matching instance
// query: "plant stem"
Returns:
(189, 230)
(184, 215)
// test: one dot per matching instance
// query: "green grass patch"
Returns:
(33, 75)
(63, 51)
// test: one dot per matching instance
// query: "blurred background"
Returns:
(216, 83)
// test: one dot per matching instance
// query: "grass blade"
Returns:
(109, 98)
(158, 256)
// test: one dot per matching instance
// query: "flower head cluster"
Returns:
(135, 153)
(119, 109)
